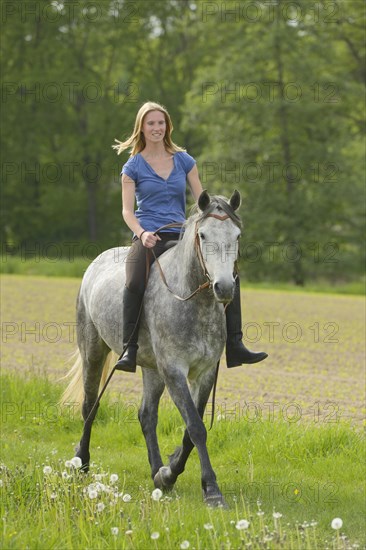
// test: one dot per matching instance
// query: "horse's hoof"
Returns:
(215, 501)
(212, 496)
(162, 479)
(84, 468)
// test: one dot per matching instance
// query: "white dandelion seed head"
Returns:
(113, 478)
(100, 506)
(156, 494)
(126, 497)
(68, 464)
(100, 487)
(65, 475)
(242, 524)
(98, 477)
(47, 470)
(337, 523)
(155, 535)
(114, 531)
(277, 515)
(208, 526)
(92, 493)
(53, 496)
(76, 462)
(184, 545)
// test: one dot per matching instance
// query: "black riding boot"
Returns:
(131, 310)
(236, 352)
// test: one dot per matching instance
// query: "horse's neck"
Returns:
(188, 270)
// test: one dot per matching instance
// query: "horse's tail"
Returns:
(74, 393)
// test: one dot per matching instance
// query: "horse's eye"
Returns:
(202, 237)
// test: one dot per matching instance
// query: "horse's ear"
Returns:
(203, 200)
(235, 200)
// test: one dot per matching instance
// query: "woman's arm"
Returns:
(194, 182)
(148, 239)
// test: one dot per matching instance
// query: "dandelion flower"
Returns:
(76, 462)
(337, 523)
(113, 478)
(208, 526)
(156, 494)
(65, 475)
(92, 493)
(98, 487)
(277, 515)
(242, 524)
(155, 535)
(47, 470)
(68, 464)
(184, 545)
(100, 506)
(126, 497)
(114, 531)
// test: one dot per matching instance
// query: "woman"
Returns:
(156, 175)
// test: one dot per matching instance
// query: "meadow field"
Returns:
(287, 443)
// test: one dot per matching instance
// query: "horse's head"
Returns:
(217, 238)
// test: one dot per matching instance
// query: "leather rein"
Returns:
(205, 285)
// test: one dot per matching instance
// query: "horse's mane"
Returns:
(217, 202)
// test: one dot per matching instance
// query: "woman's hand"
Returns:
(148, 239)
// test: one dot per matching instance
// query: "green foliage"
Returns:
(267, 96)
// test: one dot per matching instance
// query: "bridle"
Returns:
(208, 283)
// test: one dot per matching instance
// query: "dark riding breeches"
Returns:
(136, 260)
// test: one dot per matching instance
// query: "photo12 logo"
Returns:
(66, 13)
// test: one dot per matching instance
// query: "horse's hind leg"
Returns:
(93, 351)
(148, 416)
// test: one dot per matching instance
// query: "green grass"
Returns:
(356, 287)
(14, 265)
(310, 473)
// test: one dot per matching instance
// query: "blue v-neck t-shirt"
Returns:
(159, 201)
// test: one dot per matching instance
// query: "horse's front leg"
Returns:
(200, 391)
(196, 435)
(148, 416)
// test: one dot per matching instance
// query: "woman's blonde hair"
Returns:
(136, 142)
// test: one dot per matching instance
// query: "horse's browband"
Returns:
(221, 218)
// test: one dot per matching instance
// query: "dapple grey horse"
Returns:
(180, 342)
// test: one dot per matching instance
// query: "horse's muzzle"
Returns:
(223, 291)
